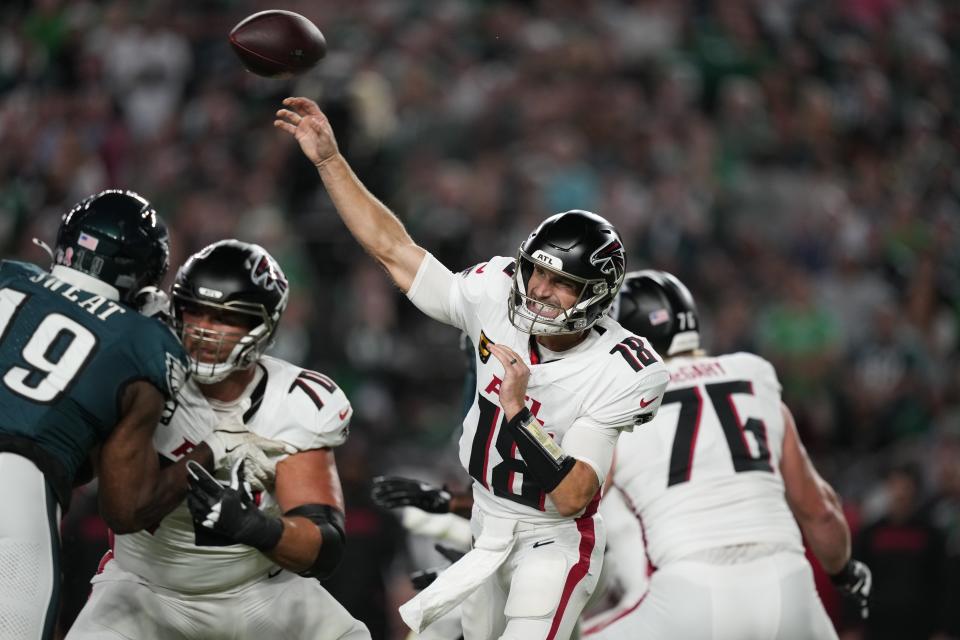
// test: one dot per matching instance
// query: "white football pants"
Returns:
(286, 606)
(29, 551)
(540, 590)
(770, 598)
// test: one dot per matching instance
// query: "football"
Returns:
(277, 43)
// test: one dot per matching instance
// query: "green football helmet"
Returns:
(117, 237)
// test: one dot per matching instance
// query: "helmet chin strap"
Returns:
(206, 372)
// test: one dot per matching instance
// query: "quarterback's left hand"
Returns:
(229, 509)
(855, 581)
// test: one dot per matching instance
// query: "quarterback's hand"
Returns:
(855, 581)
(229, 510)
(232, 442)
(513, 389)
(303, 118)
(404, 492)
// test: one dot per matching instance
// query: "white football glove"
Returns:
(231, 442)
(153, 303)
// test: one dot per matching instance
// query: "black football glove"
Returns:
(420, 580)
(229, 510)
(449, 553)
(423, 579)
(404, 492)
(854, 581)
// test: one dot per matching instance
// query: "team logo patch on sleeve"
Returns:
(483, 347)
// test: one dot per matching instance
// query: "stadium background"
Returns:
(793, 161)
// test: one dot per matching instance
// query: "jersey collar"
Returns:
(86, 282)
(539, 354)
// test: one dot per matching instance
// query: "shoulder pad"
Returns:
(485, 281)
(755, 367)
(316, 412)
(500, 265)
(627, 349)
(159, 355)
(627, 391)
(16, 268)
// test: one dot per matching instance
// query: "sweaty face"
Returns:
(209, 334)
(555, 292)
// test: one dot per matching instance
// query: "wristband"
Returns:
(265, 536)
(545, 460)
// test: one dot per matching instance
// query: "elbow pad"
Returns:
(330, 521)
(545, 460)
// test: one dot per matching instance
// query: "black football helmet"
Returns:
(657, 306)
(115, 236)
(241, 282)
(577, 245)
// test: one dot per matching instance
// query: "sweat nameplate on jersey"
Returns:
(98, 306)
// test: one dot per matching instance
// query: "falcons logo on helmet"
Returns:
(610, 258)
(264, 275)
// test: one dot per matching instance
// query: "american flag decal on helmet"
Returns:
(610, 257)
(88, 241)
(659, 316)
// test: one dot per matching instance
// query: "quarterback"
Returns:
(240, 556)
(719, 485)
(557, 381)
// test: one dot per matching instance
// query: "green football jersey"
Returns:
(65, 357)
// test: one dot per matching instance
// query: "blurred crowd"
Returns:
(795, 162)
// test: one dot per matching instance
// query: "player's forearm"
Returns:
(299, 545)
(576, 490)
(171, 487)
(827, 532)
(374, 226)
(126, 483)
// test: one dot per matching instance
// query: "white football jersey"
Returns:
(607, 383)
(706, 472)
(284, 402)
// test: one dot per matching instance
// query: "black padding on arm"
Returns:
(331, 523)
(547, 467)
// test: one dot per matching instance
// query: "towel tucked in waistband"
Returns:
(463, 577)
